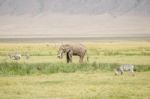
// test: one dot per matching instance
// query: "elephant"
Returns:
(72, 49)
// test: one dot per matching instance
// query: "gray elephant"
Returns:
(72, 49)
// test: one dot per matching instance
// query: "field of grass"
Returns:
(44, 76)
(79, 85)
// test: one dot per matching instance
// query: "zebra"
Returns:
(123, 68)
(27, 55)
(14, 56)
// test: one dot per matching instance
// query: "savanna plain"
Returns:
(44, 76)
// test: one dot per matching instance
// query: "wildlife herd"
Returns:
(76, 50)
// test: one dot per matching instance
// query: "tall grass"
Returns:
(15, 68)
(94, 49)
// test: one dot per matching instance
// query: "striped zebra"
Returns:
(123, 68)
(14, 56)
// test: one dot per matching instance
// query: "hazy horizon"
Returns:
(74, 18)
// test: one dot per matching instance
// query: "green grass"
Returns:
(44, 76)
(15, 68)
(94, 48)
(79, 85)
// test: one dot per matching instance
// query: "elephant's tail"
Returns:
(87, 56)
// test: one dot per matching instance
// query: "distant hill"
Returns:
(74, 18)
(90, 7)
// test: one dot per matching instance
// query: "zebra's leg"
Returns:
(132, 72)
(121, 72)
(116, 72)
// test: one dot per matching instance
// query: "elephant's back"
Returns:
(79, 46)
(79, 49)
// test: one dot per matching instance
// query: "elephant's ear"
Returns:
(62, 47)
(68, 50)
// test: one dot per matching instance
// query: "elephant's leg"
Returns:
(81, 59)
(67, 57)
(70, 55)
